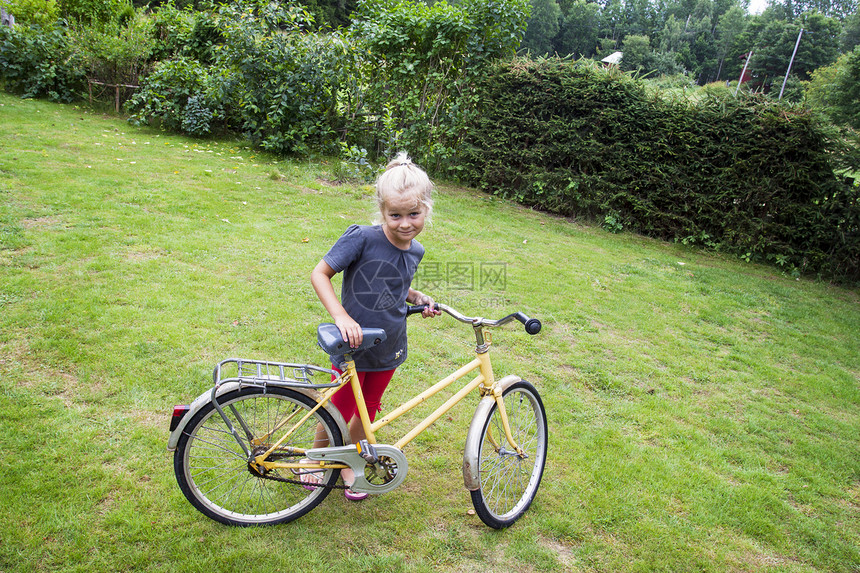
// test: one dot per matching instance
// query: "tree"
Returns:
(850, 32)
(671, 35)
(578, 34)
(729, 28)
(636, 49)
(819, 45)
(835, 89)
(823, 45)
(703, 54)
(839, 9)
(613, 20)
(543, 26)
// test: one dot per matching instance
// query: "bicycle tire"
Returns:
(213, 471)
(508, 481)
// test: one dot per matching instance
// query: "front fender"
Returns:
(471, 471)
(206, 397)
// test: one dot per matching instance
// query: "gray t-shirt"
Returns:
(376, 280)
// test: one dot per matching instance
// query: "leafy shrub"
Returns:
(354, 165)
(612, 223)
(39, 62)
(663, 63)
(164, 97)
(415, 81)
(400, 77)
(747, 176)
(187, 33)
(197, 117)
(96, 12)
(269, 80)
(283, 83)
(836, 89)
(115, 53)
(41, 13)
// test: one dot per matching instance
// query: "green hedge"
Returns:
(745, 176)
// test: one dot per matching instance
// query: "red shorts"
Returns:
(373, 385)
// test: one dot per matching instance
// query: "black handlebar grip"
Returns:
(532, 325)
(417, 309)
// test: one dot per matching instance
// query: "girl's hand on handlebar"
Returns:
(431, 309)
(419, 298)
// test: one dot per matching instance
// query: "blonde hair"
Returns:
(403, 178)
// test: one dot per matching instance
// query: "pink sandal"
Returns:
(354, 495)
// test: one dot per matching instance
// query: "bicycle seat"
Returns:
(331, 341)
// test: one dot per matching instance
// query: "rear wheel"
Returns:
(215, 474)
(509, 481)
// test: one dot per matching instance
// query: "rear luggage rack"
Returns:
(262, 373)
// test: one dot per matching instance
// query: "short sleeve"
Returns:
(346, 250)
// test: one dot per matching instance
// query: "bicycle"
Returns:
(240, 449)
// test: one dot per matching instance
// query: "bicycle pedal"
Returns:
(367, 451)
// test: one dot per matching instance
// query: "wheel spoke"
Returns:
(214, 472)
(509, 481)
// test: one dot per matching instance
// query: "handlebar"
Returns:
(532, 325)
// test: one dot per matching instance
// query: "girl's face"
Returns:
(402, 220)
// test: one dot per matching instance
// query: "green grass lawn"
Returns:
(703, 411)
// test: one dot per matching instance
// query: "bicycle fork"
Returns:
(472, 451)
(496, 390)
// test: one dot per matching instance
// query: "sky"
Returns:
(757, 6)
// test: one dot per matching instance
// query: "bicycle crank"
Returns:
(380, 476)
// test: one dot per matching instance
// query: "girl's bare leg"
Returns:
(356, 433)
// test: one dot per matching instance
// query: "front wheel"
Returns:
(508, 480)
(215, 474)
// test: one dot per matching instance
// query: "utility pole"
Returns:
(743, 73)
(788, 71)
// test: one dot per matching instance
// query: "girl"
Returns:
(378, 263)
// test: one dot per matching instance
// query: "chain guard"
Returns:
(349, 455)
(394, 463)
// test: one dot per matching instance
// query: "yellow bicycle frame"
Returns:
(484, 382)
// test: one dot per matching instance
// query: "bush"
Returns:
(415, 88)
(39, 62)
(746, 176)
(268, 79)
(165, 94)
(836, 89)
(400, 77)
(283, 84)
(187, 33)
(41, 13)
(115, 53)
(96, 12)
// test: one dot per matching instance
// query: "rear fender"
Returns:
(206, 397)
